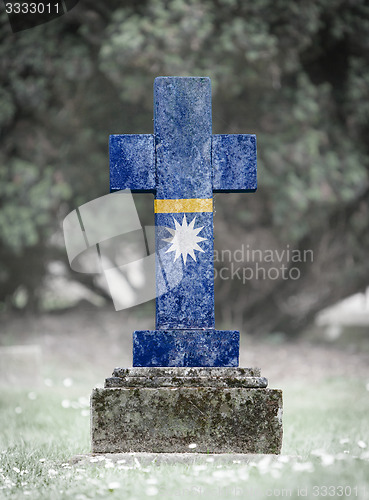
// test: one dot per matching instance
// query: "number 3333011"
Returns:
(32, 8)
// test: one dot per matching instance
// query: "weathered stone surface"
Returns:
(228, 412)
(191, 303)
(183, 162)
(189, 377)
(185, 348)
(182, 121)
(173, 371)
(234, 162)
(254, 382)
(132, 162)
(217, 420)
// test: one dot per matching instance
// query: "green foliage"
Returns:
(260, 58)
(31, 198)
(294, 73)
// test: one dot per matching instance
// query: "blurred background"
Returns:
(294, 73)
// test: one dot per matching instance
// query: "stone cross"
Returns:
(183, 164)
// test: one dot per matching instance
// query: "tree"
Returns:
(296, 75)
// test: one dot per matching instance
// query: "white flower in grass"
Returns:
(65, 403)
(225, 475)
(318, 453)
(218, 473)
(327, 460)
(277, 465)
(152, 491)
(8, 483)
(109, 465)
(114, 485)
(243, 474)
(15, 469)
(275, 473)
(341, 456)
(192, 446)
(264, 464)
(42, 460)
(67, 382)
(52, 472)
(199, 467)
(84, 401)
(303, 467)
(361, 444)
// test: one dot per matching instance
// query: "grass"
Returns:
(325, 451)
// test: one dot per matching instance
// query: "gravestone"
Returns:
(185, 387)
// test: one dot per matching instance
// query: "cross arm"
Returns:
(132, 162)
(234, 163)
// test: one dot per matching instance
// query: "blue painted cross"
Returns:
(183, 164)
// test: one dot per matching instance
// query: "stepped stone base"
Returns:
(165, 410)
(184, 348)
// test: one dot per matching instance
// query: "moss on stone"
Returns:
(218, 420)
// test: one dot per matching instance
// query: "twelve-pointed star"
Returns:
(184, 239)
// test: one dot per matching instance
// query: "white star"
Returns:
(184, 239)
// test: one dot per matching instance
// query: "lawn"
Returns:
(325, 451)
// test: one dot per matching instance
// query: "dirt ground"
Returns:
(86, 343)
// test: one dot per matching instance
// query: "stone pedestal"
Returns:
(220, 410)
(180, 348)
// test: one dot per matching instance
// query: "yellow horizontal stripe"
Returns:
(180, 206)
